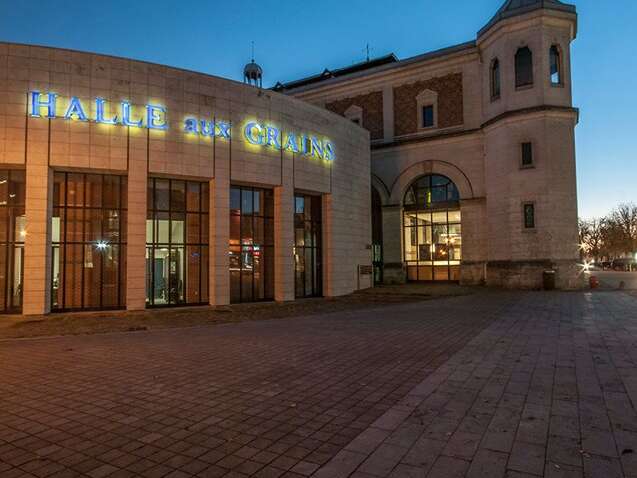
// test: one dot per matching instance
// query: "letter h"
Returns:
(37, 104)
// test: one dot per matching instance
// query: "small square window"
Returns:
(527, 154)
(356, 121)
(427, 116)
(529, 216)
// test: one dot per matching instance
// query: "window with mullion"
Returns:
(307, 246)
(88, 241)
(251, 245)
(12, 235)
(177, 240)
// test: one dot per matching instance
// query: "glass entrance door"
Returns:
(177, 243)
(307, 246)
(12, 235)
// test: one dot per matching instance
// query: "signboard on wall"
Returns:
(155, 117)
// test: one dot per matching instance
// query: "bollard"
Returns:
(594, 282)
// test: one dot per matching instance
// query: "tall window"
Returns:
(555, 65)
(529, 216)
(89, 241)
(177, 242)
(307, 246)
(428, 120)
(495, 79)
(527, 155)
(12, 234)
(251, 244)
(432, 234)
(523, 67)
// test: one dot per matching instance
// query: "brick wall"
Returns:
(372, 105)
(450, 110)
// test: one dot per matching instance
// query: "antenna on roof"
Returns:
(368, 50)
(252, 50)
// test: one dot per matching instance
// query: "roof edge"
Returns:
(507, 11)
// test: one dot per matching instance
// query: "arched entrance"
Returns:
(432, 236)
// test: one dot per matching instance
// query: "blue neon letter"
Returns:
(329, 151)
(75, 108)
(248, 132)
(156, 117)
(126, 116)
(99, 112)
(291, 143)
(207, 128)
(190, 126)
(273, 137)
(224, 129)
(317, 148)
(37, 103)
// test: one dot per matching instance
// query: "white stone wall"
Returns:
(45, 145)
(483, 154)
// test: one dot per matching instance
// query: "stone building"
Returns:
(125, 184)
(473, 157)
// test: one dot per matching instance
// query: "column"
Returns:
(219, 275)
(393, 264)
(37, 244)
(284, 233)
(137, 210)
(327, 226)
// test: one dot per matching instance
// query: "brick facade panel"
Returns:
(372, 105)
(450, 109)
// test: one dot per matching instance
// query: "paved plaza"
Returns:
(496, 384)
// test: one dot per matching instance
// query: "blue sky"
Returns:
(294, 39)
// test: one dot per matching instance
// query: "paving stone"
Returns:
(448, 467)
(445, 388)
(527, 458)
(488, 464)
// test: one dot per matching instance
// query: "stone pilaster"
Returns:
(37, 250)
(136, 239)
(219, 282)
(393, 269)
(329, 281)
(284, 242)
(388, 113)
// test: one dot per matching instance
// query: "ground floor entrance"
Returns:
(432, 230)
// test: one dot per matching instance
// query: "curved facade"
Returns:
(126, 184)
(495, 117)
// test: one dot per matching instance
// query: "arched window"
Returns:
(555, 60)
(432, 230)
(431, 191)
(495, 79)
(523, 67)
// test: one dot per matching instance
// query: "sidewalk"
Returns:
(549, 389)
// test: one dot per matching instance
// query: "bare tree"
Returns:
(624, 220)
(592, 234)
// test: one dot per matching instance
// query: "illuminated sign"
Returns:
(45, 105)
(155, 117)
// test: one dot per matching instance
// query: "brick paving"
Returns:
(491, 385)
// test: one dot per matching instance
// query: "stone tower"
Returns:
(529, 142)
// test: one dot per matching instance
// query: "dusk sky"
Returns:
(295, 39)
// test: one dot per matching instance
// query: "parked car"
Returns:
(624, 264)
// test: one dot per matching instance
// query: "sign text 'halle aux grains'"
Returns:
(155, 117)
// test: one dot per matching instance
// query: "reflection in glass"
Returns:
(432, 235)
(307, 246)
(251, 247)
(88, 234)
(177, 243)
(12, 234)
